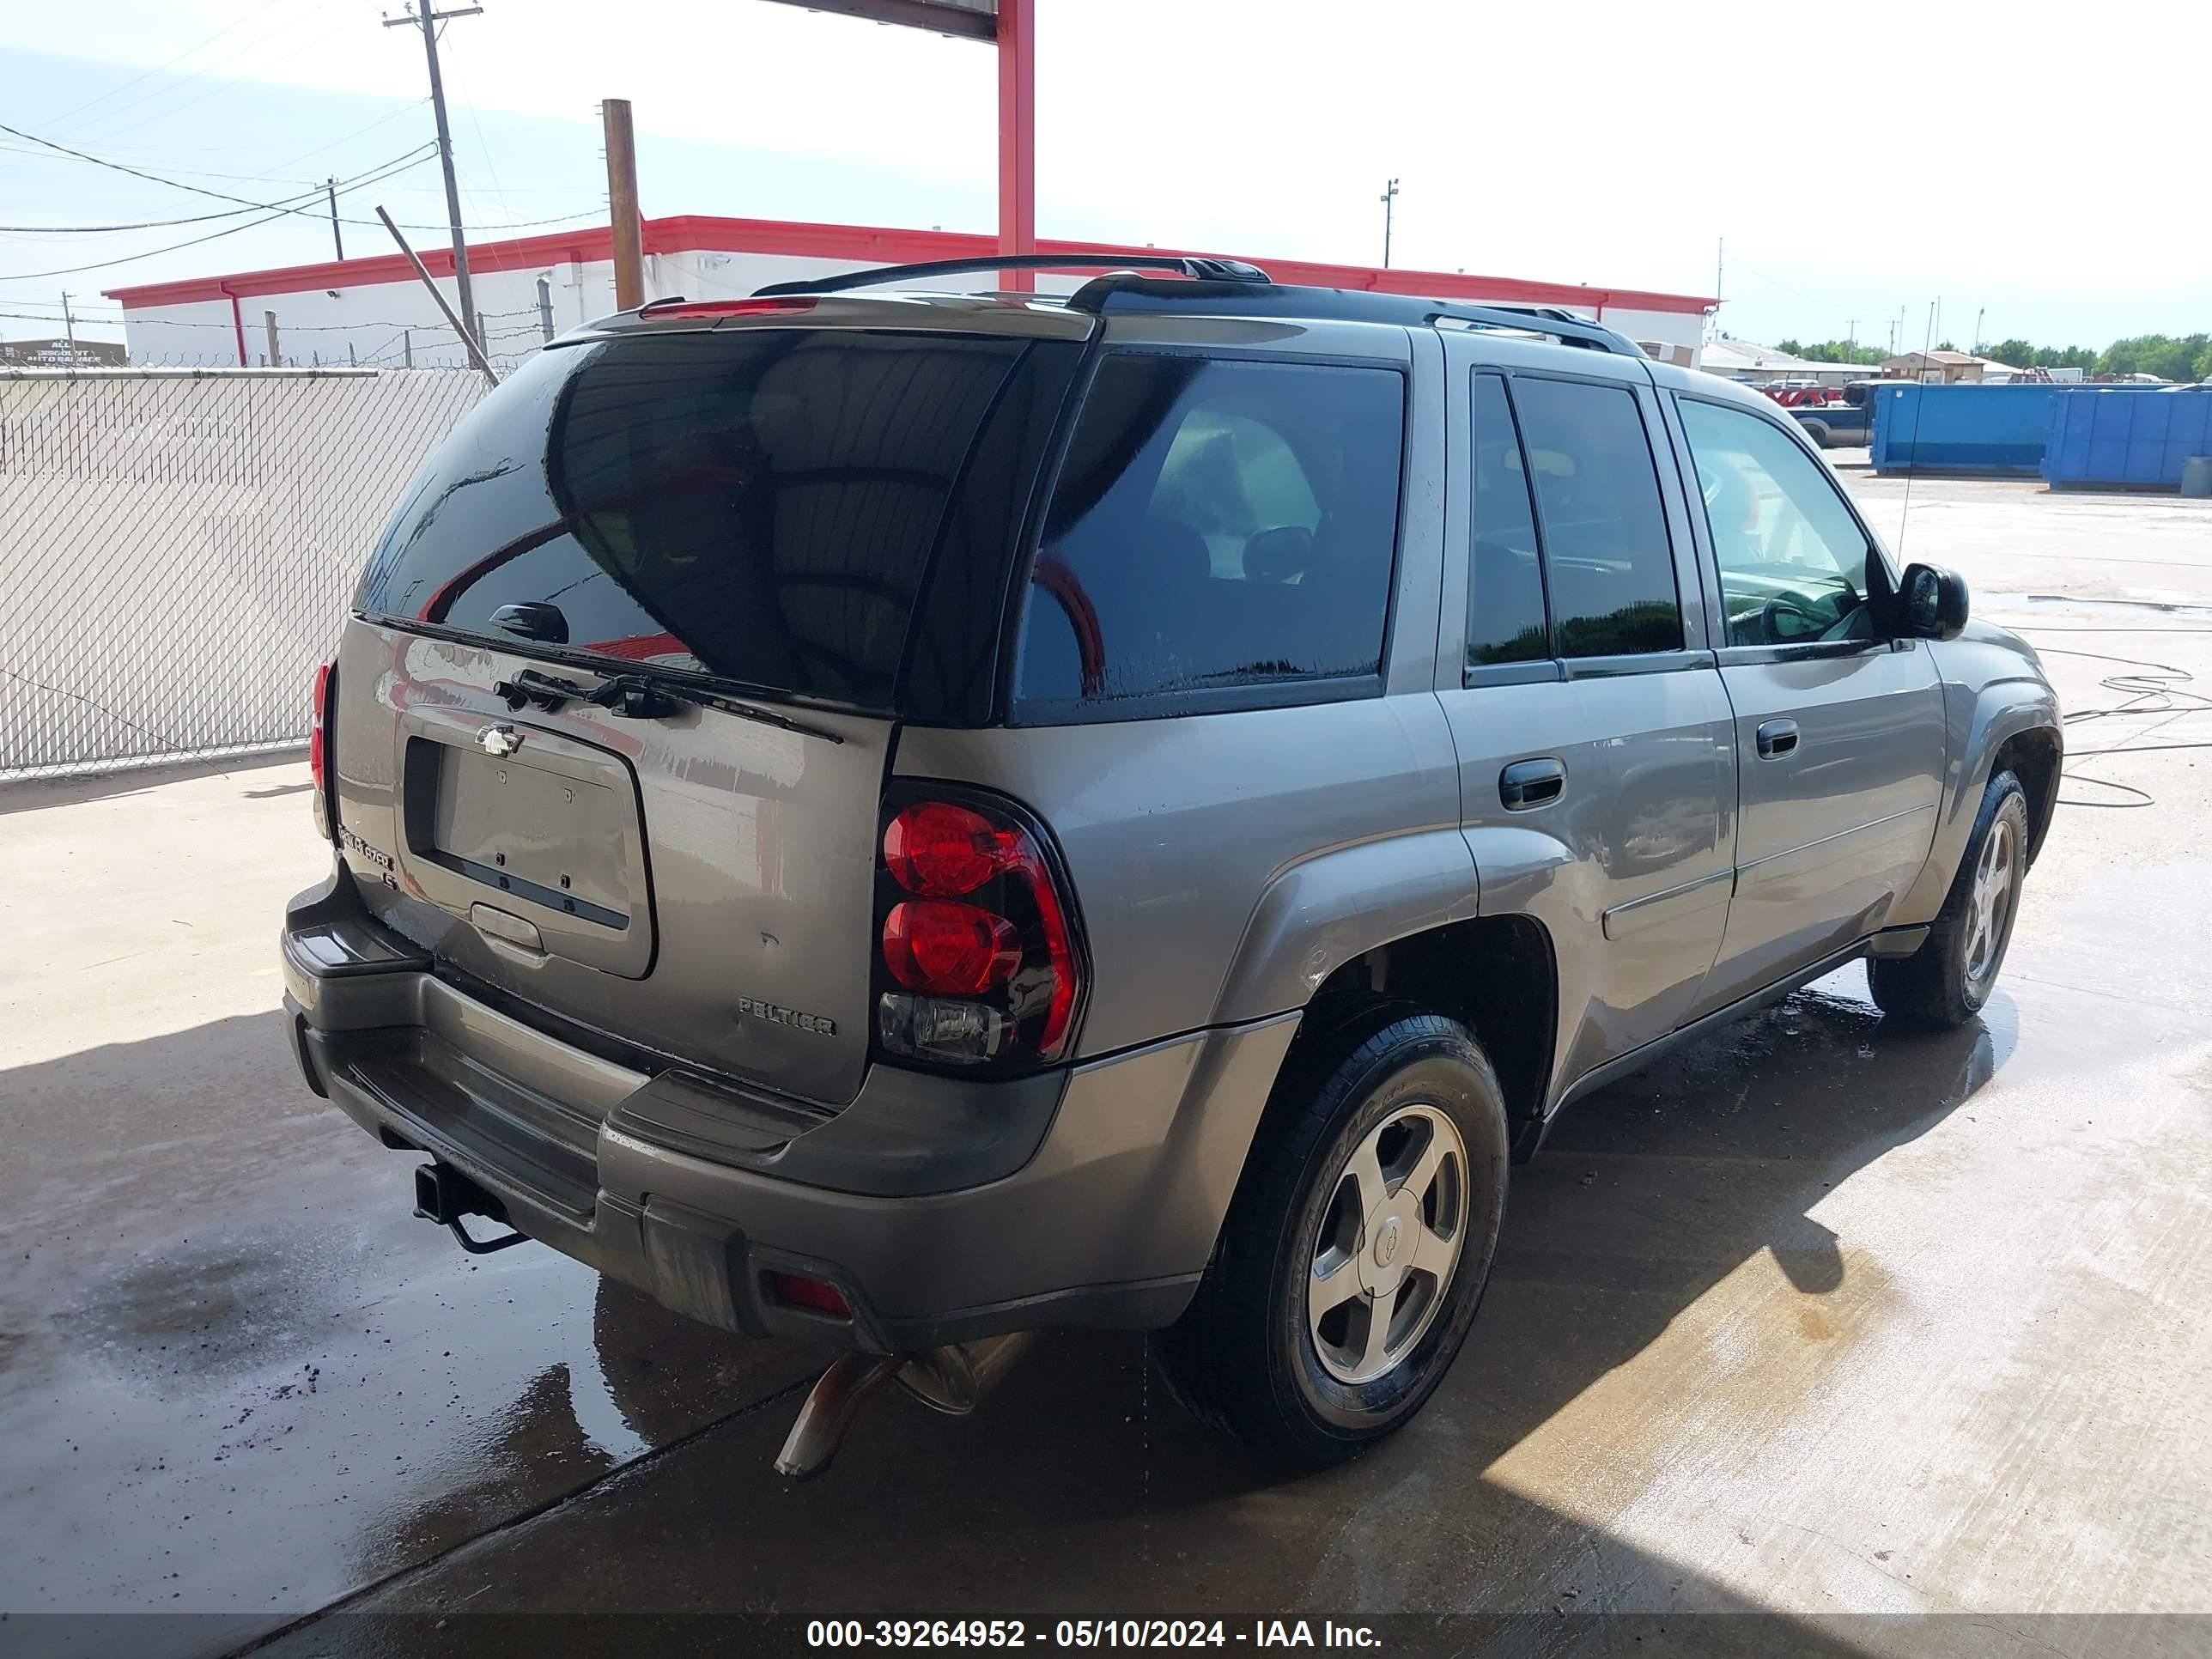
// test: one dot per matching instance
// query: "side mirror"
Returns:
(1931, 604)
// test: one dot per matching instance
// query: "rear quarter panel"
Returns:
(1224, 863)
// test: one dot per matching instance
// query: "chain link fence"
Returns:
(177, 550)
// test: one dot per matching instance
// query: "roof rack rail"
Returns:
(1138, 293)
(1198, 269)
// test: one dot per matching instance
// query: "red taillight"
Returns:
(980, 965)
(945, 850)
(949, 949)
(318, 748)
(794, 1291)
(315, 766)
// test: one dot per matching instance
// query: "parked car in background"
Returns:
(1847, 423)
(895, 819)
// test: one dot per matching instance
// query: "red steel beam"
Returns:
(1018, 136)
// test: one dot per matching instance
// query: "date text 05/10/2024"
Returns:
(1084, 1634)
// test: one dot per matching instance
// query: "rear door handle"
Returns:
(1777, 738)
(1531, 783)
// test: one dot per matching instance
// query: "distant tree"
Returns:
(2172, 357)
(1831, 351)
(1945, 345)
(2162, 355)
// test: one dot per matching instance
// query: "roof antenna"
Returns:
(1904, 520)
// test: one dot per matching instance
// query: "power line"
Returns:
(193, 172)
(153, 178)
(228, 230)
(167, 63)
(288, 205)
(250, 72)
(427, 20)
(154, 224)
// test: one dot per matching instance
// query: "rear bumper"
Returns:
(942, 1209)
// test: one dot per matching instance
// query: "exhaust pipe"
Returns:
(953, 1379)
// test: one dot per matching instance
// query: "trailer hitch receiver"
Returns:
(444, 1195)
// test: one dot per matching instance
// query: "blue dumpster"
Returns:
(2126, 437)
(1996, 430)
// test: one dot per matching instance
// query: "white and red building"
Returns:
(527, 289)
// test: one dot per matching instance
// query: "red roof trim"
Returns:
(861, 245)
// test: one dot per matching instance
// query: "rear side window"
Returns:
(761, 505)
(1606, 548)
(1217, 523)
(1505, 586)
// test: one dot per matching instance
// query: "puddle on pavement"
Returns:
(1684, 1278)
(265, 1420)
(265, 1416)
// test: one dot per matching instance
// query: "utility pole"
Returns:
(336, 239)
(427, 22)
(69, 325)
(1389, 199)
(622, 203)
(1980, 311)
(1719, 267)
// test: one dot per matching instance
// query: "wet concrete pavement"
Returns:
(1816, 1318)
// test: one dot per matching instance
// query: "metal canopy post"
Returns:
(1009, 25)
(1017, 135)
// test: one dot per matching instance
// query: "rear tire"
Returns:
(1948, 980)
(1820, 435)
(1355, 1252)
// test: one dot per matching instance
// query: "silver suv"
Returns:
(898, 818)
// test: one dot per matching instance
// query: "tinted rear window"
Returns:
(1606, 549)
(761, 505)
(1217, 523)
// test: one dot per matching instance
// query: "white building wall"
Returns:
(388, 324)
(383, 324)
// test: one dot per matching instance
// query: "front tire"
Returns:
(1948, 980)
(1355, 1253)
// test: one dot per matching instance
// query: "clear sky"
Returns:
(2039, 162)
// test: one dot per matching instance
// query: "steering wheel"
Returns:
(1789, 604)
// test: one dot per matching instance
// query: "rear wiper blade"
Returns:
(638, 697)
(642, 697)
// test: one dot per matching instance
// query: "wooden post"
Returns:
(622, 202)
(269, 322)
